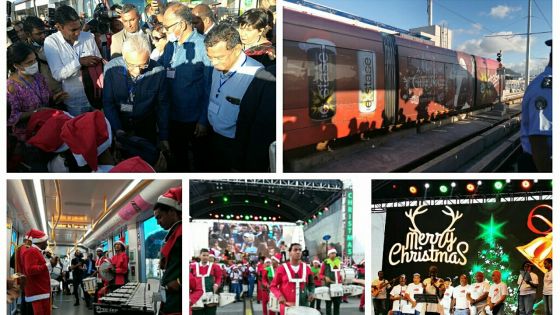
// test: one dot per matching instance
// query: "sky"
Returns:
(471, 22)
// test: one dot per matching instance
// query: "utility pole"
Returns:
(528, 53)
(430, 12)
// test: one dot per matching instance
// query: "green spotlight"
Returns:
(225, 199)
(443, 189)
(498, 185)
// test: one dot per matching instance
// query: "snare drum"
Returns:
(90, 284)
(273, 304)
(301, 310)
(198, 305)
(336, 290)
(353, 290)
(322, 293)
(348, 274)
(210, 299)
(56, 271)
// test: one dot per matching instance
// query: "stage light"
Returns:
(211, 201)
(498, 185)
(273, 218)
(278, 206)
(309, 220)
(264, 219)
(443, 189)
(225, 199)
(320, 213)
(246, 200)
(427, 185)
(217, 216)
(453, 185)
(221, 215)
(526, 184)
(508, 181)
(327, 208)
(394, 186)
(237, 217)
(246, 218)
(413, 190)
(471, 187)
(314, 217)
(479, 183)
(265, 202)
(535, 181)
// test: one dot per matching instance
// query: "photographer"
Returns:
(78, 266)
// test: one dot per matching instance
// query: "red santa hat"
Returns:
(316, 261)
(46, 130)
(133, 165)
(267, 260)
(88, 135)
(99, 249)
(36, 236)
(120, 241)
(332, 250)
(277, 257)
(173, 198)
(212, 255)
(37, 120)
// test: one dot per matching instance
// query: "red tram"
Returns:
(341, 79)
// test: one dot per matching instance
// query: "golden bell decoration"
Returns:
(538, 250)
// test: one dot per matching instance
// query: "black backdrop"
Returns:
(515, 230)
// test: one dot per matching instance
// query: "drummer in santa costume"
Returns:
(98, 262)
(316, 269)
(195, 291)
(168, 213)
(38, 286)
(120, 263)
(330, 274)
(16, 262)
(210, 277)
(269, 271)
(293, 283)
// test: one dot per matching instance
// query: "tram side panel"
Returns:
(333, 80)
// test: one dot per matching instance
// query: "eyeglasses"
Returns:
(170, 26)
(141, 67)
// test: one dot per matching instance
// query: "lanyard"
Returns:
(129, 88)
(223, 82)
(35, 89)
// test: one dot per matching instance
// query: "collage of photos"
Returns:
(337, 157)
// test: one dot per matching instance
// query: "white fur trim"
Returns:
(332, 250)
(37, 297)
(39, 240)
(170, 202)
(100, 149)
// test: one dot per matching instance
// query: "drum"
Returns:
(105, 271)
(322, 293)
(56, 271)
(226, 298)
(198, 305)
(336, 290)
(301, 310)
(273, 304)
(54, 284)
(348, 274)
(90, 284)
(210, 299)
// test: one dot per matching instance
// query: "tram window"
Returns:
(105, 246)
(153, 240)
(297, 72)
(13, 243)
(118, 236)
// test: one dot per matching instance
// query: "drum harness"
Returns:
(297, 281)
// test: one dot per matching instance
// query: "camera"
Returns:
(102, 19)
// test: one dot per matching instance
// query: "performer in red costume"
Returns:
(195, 291)
(38, 286)
(267, 276)
(120, 263)
(293, 283)
(210, 277)
(101, 283)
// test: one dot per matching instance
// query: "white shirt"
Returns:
(497, 291)
(478, 289)
(383, 291)
(460, 296)
(416, 289)
(64, 62)
(446, 300)
(547, 288)
(430, 289)
(222, 112)
(526, 289)
(396, 291)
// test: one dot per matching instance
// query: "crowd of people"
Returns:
(478, 298)
(41, 274)
(257, 278)
(173, 89)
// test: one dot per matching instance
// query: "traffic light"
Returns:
(499, 54)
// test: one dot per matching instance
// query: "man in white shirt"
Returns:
(400, 305)
(496, 295)
(459, 303)
(528, 282)
(547, 287)
(447, 296)
(413, 289)
(67, 51)
(478, 294)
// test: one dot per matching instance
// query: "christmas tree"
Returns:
(491, 256)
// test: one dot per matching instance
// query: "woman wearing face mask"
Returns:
(28, 91)
(254, 25)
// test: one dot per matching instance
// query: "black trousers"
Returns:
(525, 163)
(78, 283)
(380, 306)
(333, 306)
(189, 153)
(223, 153)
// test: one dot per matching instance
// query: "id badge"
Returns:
(126, 108)
(213, 108)
(171, 73)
